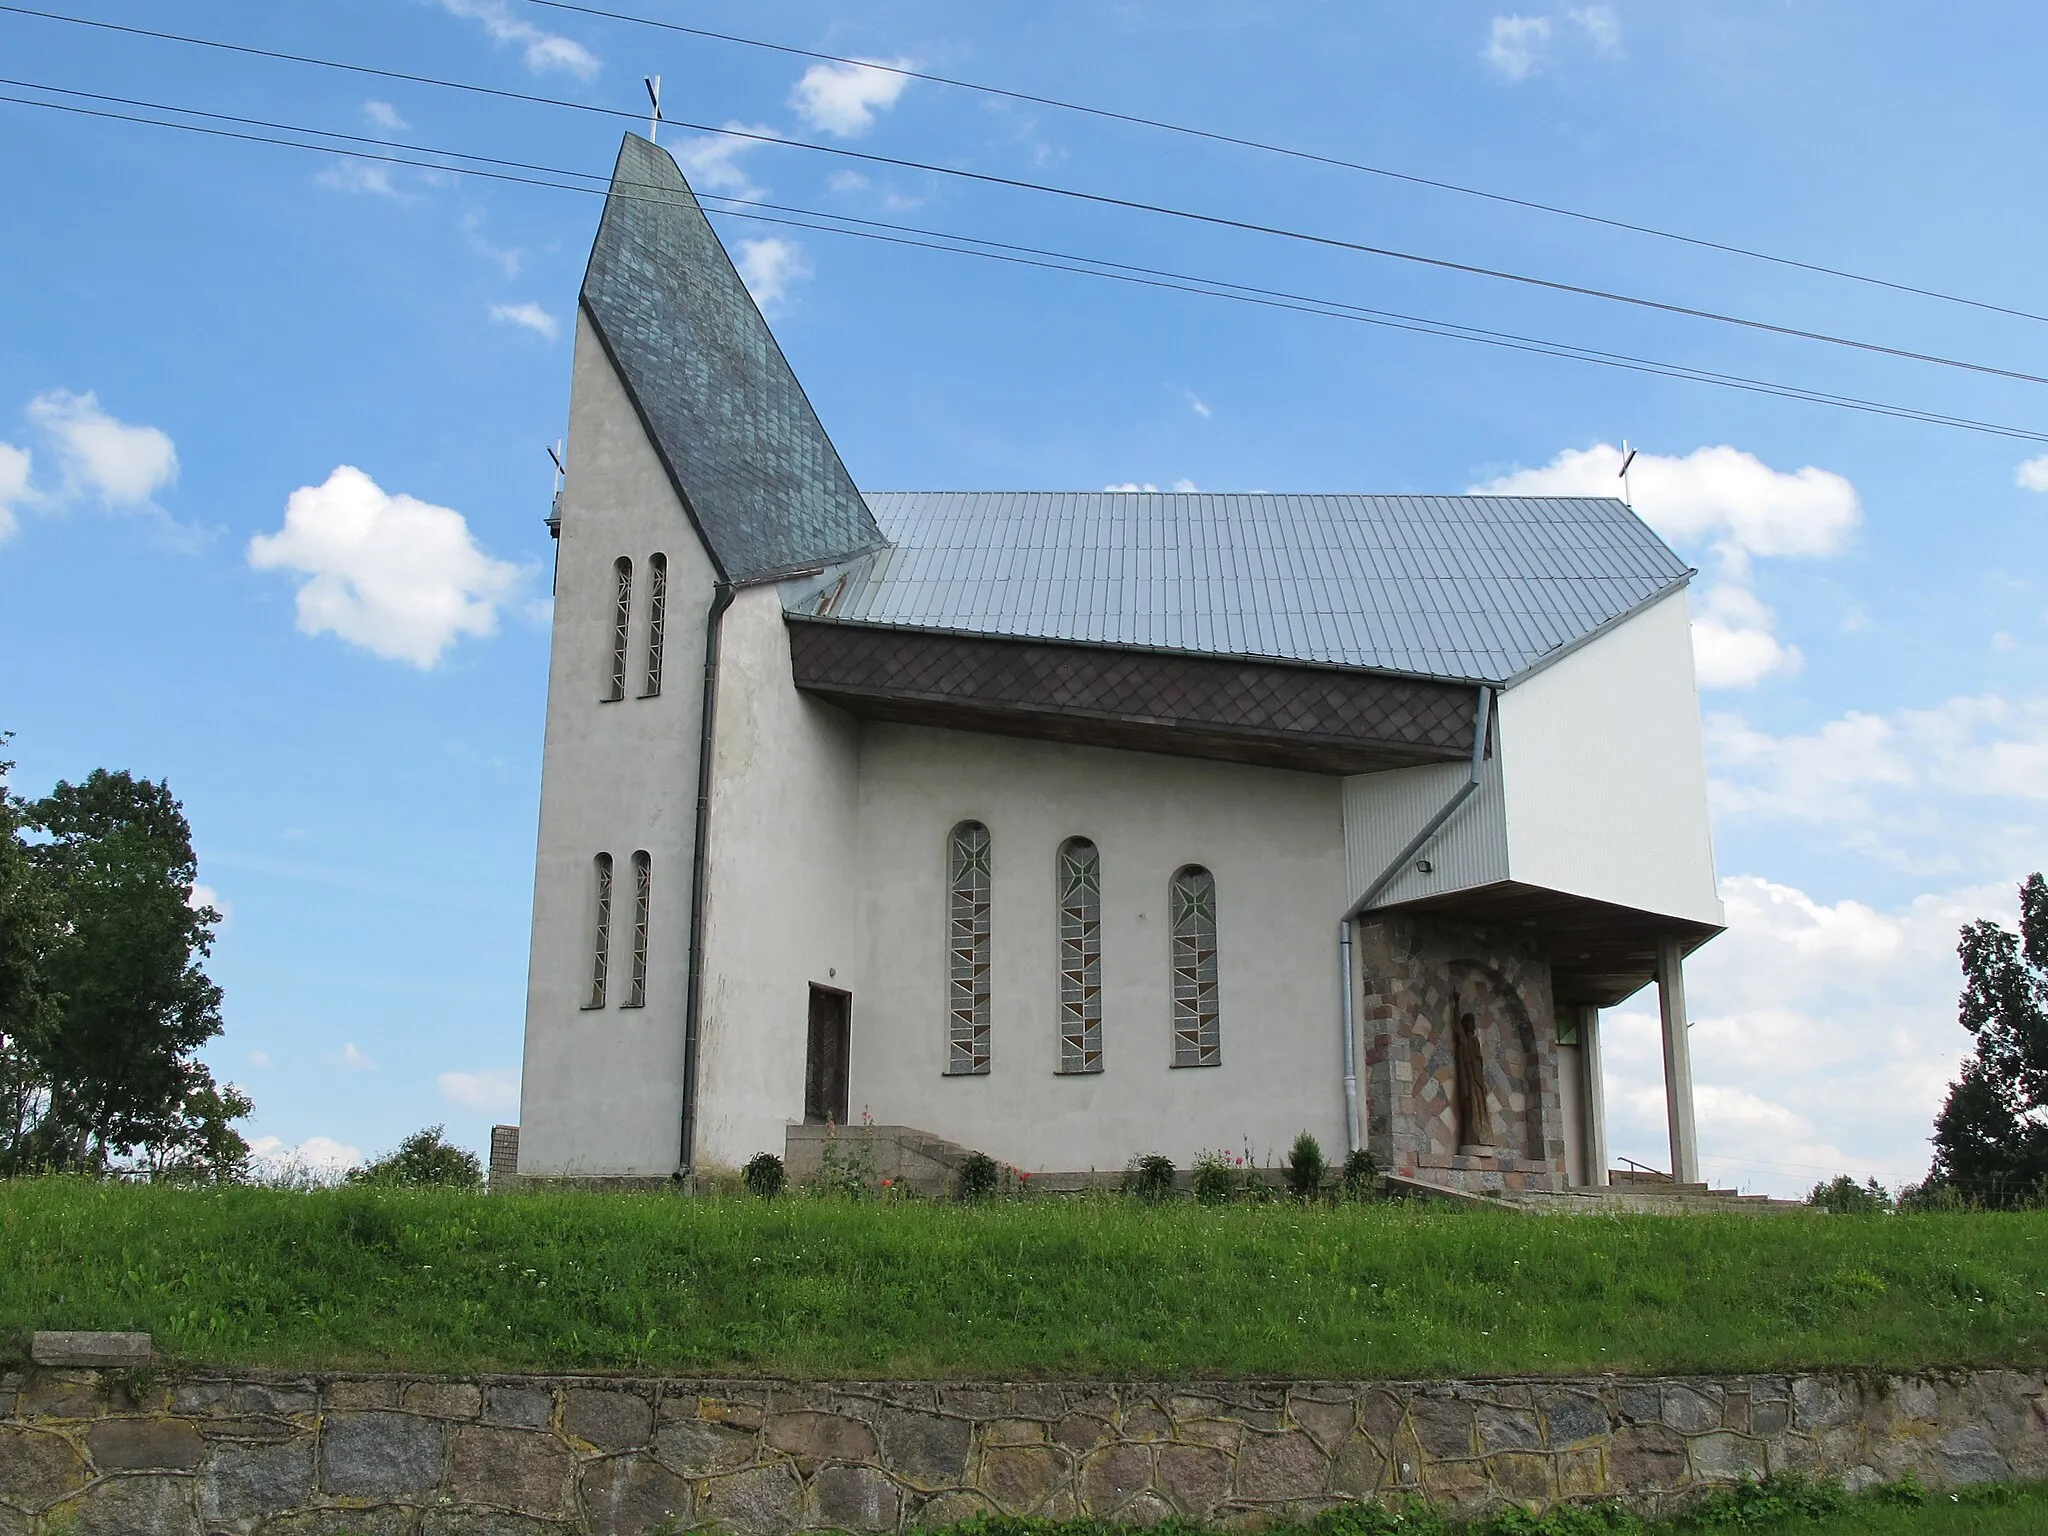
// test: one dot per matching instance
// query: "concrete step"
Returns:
(920, 1160)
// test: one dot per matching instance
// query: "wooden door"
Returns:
(825, 1057)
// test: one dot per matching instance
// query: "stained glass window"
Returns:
(657, 611)
(1080, 873)
(643, 895)
(622, 620)
(601, 949)
(968, 941)
(1197, 1038)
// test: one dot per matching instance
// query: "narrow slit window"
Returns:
(967, 931)
(601, 945)
(643, 897)
(657, 610)
(1080, 956)
(1197, 1037)
(622, 623)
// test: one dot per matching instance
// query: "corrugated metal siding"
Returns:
(1468, 587)
(1382, 811)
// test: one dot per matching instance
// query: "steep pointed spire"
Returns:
(745, 449)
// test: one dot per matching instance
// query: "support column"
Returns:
(1592, 1098)
(1685, 1145)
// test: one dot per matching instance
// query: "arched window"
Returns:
(601, 946)
(1080, 956)
(643, 895)
(622, 620)
(657, 610)
(1197, 1041)
(967, 931)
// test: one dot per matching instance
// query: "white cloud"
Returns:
(1977, 745)
(1740, 508)
(711, 161)
(1198, 405)
(123, 465)
(1184, 485)
(320, 1157)
(488, 1089)
(842, 99)
(1131, 485)
(1517, 45)
(1602, 27)
(206, 896)
(770, 268)
(1823, 1039)
(384, 117)
(14, 467)
(259, 1058)
(529, 315)
(401, 577)
(2033, 474)
(348, 175)
(348, 1056)
(543, 50)
(1732, 643)
(505, 258)
(1720, 496)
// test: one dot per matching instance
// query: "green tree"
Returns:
(28, 927)
(126, 1003)
(422, 1159)
(1991, 1137)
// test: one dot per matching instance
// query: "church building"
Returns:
(1076, 826)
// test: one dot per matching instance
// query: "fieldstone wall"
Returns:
(93, 1453)
(1418, 976)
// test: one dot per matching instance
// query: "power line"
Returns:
(1266, 147)
(1028, 256)
(1075, 194)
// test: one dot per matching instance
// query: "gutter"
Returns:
(700, 864)
(1482, 715)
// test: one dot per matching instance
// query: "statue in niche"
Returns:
(1475, 1121)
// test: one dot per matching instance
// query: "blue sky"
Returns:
(349, 703)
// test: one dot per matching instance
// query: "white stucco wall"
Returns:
(601, 1090)
(782, 908)
(1275, 843)
(1605, 775)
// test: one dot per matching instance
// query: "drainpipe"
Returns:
(1351, 1135)
(1482, 714)
(721, 599)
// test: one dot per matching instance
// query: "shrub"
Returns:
(1361, 1174)
(1843, 1196)
(1215, 1182)
(1305, 1167)
(764, 1175)
(977, 1177)
(422, 1160)
(1150, 1179)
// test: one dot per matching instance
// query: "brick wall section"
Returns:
(1418, 976)
(180, 1454)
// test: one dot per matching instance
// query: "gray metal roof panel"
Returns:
(755, 467)
(1467, 587)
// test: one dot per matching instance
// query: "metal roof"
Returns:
(753, 464)
(1473, 588)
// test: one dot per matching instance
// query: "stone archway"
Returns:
(1508, 1054)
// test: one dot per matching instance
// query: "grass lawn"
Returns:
(1983, 1511)
(1023, 1288)
(2027, 1515)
